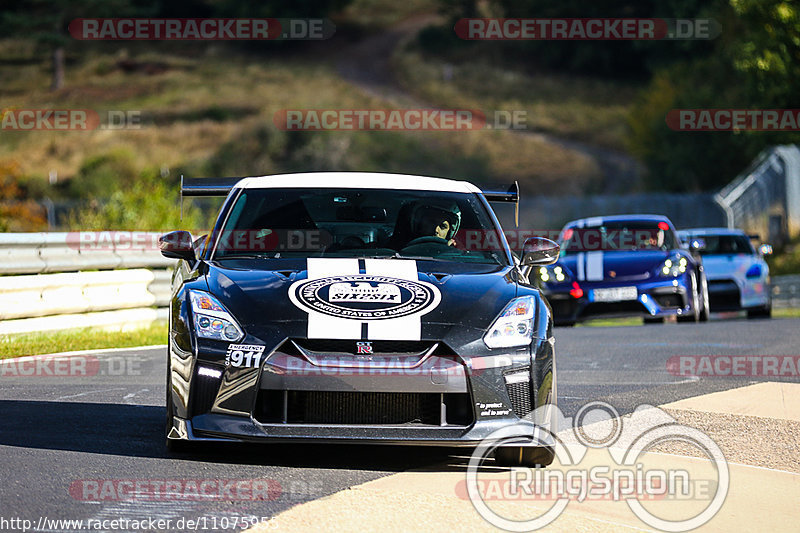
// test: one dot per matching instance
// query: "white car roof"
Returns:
(356, 180)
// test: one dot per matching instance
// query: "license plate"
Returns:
(615, 294)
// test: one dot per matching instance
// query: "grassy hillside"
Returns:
(207, 109)
(570, 107)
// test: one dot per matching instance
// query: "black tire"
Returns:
(704, 315)
(529, 456)
(650, 320)
(564, 324)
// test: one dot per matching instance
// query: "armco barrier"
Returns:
(786, 291)
(53, 281)
(36, 253)
(75, 292)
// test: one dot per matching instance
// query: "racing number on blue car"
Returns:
(244, 355)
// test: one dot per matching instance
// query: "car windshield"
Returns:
(618, 236)
(304, 222)
(726, 244)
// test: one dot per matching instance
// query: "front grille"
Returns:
(563, 308)
(336, 346)
(668, 300)
(519, 392)
(363, 408)
(204, 392)
(723, 295)
(632, 306)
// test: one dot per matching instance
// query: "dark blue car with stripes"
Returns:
(625, 265)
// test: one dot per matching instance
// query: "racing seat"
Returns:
(403, 232)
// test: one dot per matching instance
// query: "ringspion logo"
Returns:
(599, 455)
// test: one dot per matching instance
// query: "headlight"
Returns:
(211, 319)
(552, 274)
(674, 267)
(754, 271)
(514, 326)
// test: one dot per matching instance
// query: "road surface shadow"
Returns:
(138, 431)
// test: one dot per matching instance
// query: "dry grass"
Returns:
(202, 102)
(582, 109)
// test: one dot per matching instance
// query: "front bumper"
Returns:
(222, 428)
(655, 299)
(434, 397)
(732, 293)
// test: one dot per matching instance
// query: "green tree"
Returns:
(755, 64)
(152, 204)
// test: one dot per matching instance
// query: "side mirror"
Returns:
(697, 244)
(539, 251)
(177, 245)
(765, 249)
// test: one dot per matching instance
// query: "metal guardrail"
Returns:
(53, 281)
(765, 198)
(786, 291)
(36, 253)
(80, 292)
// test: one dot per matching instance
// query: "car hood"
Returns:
(731, 265)
(336, 297)
(597, 266)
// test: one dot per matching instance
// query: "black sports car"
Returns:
(341, 307)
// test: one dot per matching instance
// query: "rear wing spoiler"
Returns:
(505, 193)
(222, 186)
(207, 186)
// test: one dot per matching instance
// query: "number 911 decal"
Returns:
(244, 355)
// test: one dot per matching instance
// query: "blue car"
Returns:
(625, 265)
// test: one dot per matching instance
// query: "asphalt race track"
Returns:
(58, 433)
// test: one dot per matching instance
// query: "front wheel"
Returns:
(529, 456)
(706, 312)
